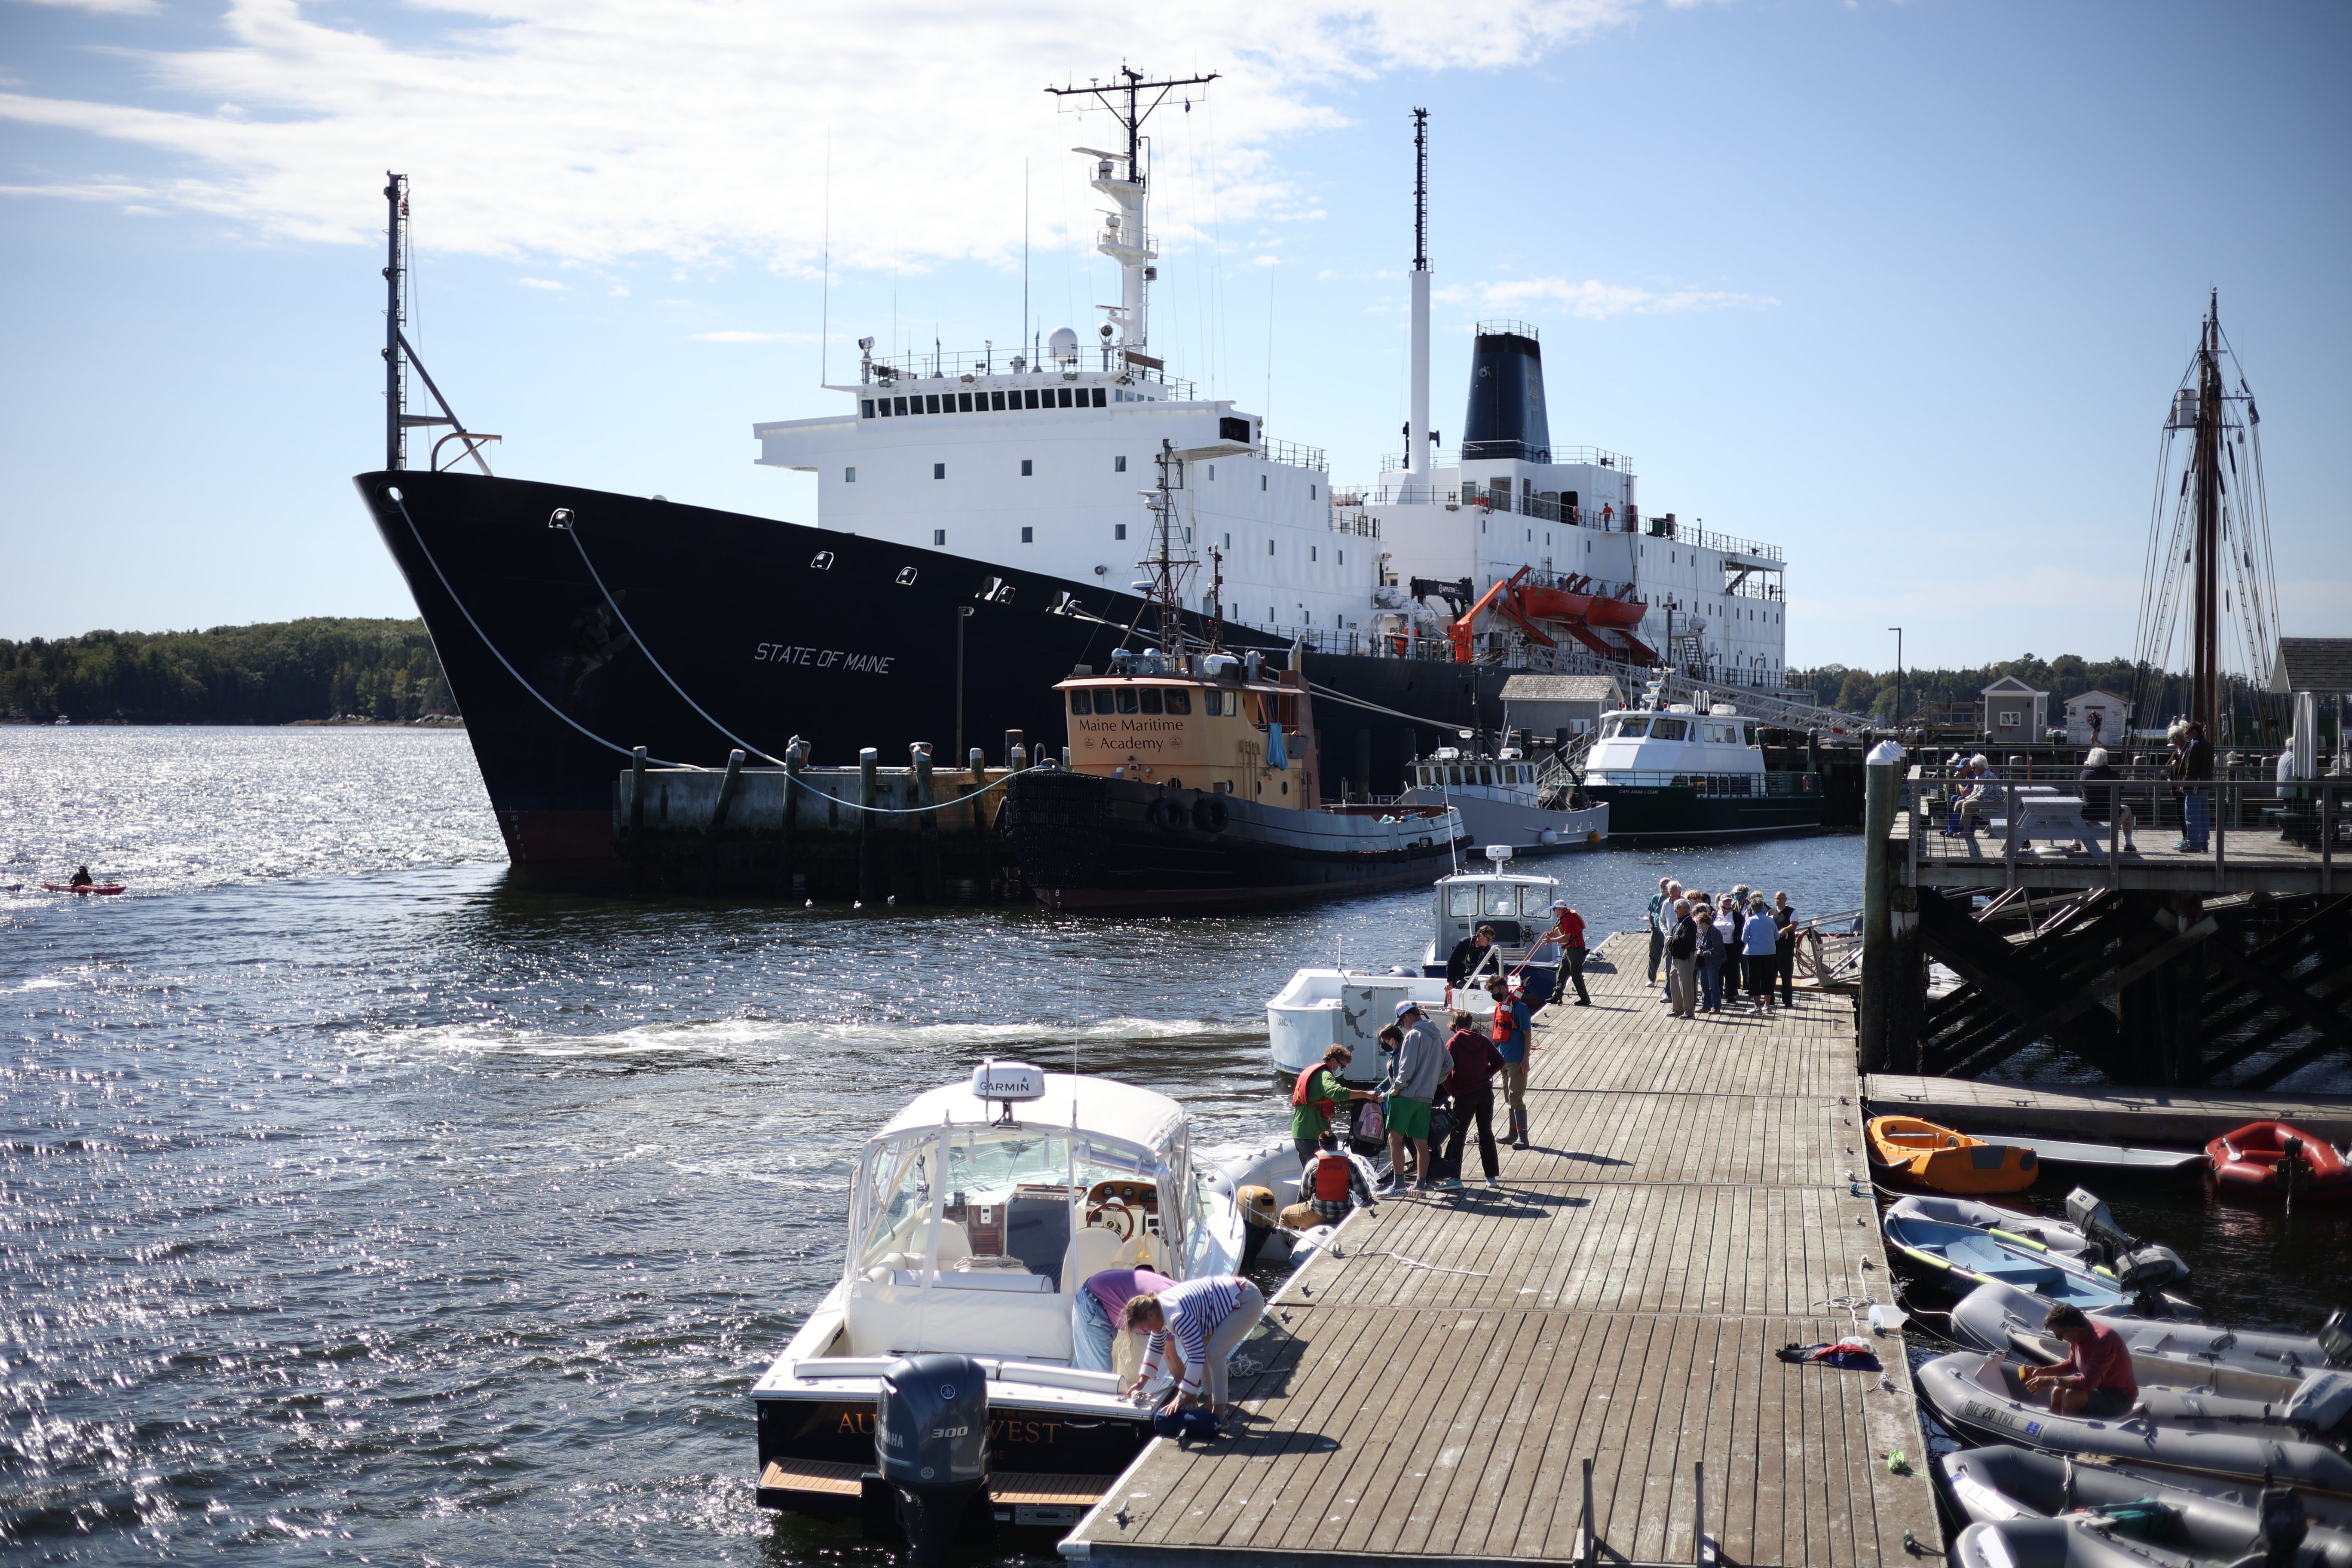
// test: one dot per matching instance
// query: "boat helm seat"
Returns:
(1091, 1251)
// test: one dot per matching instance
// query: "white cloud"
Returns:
(541, 283)
(590, 130)
(1596, 300)
(109, 7)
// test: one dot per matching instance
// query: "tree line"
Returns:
(1950, 696)
(321, 667)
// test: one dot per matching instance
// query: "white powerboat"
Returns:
(976, 1216)
(1322, 1008)
(1501, 799)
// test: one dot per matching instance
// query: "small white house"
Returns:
(2014, 711)
(2097, 718)
(1559, 707)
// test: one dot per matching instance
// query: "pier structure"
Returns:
(921, 833)
(2225, 965)
(1580, 1367)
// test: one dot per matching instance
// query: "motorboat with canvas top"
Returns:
(1321, 1007)
(2295, 1437)
(2024, 1506)
(976, 1216)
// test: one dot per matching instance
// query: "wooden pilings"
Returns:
(1879, 974)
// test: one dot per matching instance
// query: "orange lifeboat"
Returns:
(1567, 608)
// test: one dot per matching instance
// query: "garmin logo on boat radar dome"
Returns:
(1008, 1081)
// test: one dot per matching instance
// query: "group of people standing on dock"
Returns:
(1712, 946)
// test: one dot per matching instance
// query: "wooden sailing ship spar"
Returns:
(2209, 552)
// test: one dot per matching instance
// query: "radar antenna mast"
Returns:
(1125, 237)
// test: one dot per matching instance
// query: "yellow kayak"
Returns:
(1947, 1161)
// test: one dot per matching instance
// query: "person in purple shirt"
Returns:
(1100, 1302)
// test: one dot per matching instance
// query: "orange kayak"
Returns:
(69, 888)
(1947, 1161)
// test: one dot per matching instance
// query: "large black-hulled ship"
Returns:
(771, 629)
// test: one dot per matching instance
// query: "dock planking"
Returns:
(1429, 1390)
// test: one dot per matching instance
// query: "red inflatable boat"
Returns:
(2257, 1158)
(86, 887)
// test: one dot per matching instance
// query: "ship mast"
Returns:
(1166, 566)
(396, 379)
(1416, 429)
(1125, 237)
(2205, 679)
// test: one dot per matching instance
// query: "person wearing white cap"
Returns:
(1422, 1064)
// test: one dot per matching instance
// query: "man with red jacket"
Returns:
(1472, 1085)
(1568, 930)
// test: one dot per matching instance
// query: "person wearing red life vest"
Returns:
(1567, 930)
(1334, 1182)
(1513, 1031)
(1315, 1096)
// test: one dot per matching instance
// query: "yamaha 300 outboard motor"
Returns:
(930, 1442)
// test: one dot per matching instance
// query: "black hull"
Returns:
(1667, 814)
(859, 652)
(1120, 845)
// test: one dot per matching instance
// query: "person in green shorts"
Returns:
(1422, 1065)
(1317, 1096)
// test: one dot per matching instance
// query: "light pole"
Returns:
(1896, 715)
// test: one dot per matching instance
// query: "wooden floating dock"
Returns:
(1435, 1390)
(2099, 1111)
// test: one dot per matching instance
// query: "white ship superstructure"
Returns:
(1045, 459)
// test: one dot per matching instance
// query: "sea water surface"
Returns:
(357, 1203)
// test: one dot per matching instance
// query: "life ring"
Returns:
(1210, 814)
(1100, 1214)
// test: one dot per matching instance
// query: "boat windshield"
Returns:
(1007, 1198)
(1632, 728)
(1498, 901)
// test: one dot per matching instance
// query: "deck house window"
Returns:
(1150, 697)
(1180, 701)
(867, 404)
(1128, 702)
(996, 401)
(1081, 704)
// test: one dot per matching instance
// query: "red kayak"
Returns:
(95, 887)
(2278, 1157)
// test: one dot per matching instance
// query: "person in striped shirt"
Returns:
(1198, 1323)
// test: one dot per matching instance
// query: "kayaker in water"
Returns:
(82, 879)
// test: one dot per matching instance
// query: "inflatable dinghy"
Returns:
(2055, 1235)
(1960, 1257)
(2004, 1319)
(2000, 1485)
(2292, 1443)
(2273, 1159)
(2092, 1541)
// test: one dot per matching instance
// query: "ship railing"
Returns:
(1358, 523)
(1294, 455)
(1774, 785)
(1591, 457)
(950, 366)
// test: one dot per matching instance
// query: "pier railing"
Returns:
(2226, 835)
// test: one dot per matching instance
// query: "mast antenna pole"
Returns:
(1416, 427)
(395, 196)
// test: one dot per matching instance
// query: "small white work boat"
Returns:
(976, 1216)
(1508, 799)
(1322, 1008)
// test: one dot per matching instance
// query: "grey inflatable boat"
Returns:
(1998, 1317)
(2208, 1521)
(2056, 1235)
(2295, 1438)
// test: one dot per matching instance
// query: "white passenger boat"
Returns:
(1322, 1008)
(976, 1216)
(1501, 799)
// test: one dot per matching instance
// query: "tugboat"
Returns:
(976, 1216)
(1693, 774)
(1192, 781)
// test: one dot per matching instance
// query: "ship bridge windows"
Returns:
(1669, 728)
(1149, 698)
(1633, 727)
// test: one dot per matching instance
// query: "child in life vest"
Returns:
(1334, 1181)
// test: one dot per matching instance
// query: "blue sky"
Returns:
(1902, 288)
